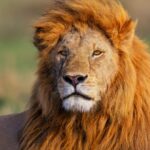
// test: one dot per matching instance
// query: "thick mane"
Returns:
(109, 16)
(124, 119)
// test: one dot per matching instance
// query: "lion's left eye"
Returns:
(98, 53)
(63, 53)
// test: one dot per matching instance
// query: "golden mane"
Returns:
(123, 122)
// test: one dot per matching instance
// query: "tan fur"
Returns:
(123, 122)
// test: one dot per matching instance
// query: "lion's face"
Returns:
(85, 64)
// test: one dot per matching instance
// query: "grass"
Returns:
(17, 74)
(18, 54)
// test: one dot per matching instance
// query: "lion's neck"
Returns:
(80, 131)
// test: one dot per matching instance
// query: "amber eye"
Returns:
(63, 53)
(97, 53)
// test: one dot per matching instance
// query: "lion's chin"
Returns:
(79, 104)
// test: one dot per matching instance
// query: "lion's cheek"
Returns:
(64, 88)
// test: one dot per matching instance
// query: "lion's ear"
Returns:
(47, 34)
(41, 34)
(38, 39)
(125, 34)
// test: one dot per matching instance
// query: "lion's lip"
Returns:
(79, 94)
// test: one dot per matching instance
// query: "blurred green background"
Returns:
(18, 55)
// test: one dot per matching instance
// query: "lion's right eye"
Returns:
(63, 53)
(97, 53)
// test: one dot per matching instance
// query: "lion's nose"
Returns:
(74, 80)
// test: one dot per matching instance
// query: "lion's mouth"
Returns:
(86, 97)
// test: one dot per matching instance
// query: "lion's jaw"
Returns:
(79, 59)
(73, 101)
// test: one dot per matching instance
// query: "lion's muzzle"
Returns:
(75, 80)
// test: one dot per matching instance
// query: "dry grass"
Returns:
(14, 91)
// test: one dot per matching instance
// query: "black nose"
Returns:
(74, 80)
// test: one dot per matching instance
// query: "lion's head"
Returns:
(94, 73)
(85, 63)
(83, 66)
(80, 52)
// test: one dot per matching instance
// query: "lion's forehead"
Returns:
(89, 40)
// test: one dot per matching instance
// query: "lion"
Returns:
(93, 82)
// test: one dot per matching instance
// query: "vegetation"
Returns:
(17, 67)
